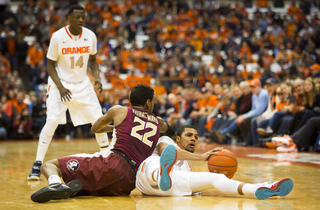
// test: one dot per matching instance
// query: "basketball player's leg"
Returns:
(55, 115)
(201, 181)
(56, 189)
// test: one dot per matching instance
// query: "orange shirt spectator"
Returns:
(159, 89)
(214, 34)
(19, 106)
(5, 64)
(132, 80)
(145, 80)
(262, 3)
(35, 54)
(293, 10)
(197, 43)
(212, 101)
(117, 82)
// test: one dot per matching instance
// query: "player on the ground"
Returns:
(136, 130)
(71, 49)
(183, 181)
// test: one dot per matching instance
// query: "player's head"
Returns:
(142, 95)
(187, 137)
(76, 16)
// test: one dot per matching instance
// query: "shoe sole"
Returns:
(33, 178)
(282, 188)
(45, 194)
(167, 160)
(75, 186)
(287, 151)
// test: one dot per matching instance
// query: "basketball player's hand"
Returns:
(65, 94)
(97, 84)
(205, 156)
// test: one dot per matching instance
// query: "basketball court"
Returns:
(254, 165)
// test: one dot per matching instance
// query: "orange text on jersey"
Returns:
(75, 50)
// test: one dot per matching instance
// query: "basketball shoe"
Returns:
(290, 148)
(52, 192)
(267, 131)
(75, 186)
(282, 141)
(35, 171)
(167, 160)
(281, 188)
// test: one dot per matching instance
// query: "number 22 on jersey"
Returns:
(79, 63)
(143, 125)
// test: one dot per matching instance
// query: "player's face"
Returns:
(188, 140)
(76, 19)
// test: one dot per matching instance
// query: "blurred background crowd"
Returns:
(240, 71)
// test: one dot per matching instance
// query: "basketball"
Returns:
(225, 162)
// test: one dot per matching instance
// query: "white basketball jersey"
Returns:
(72, 53)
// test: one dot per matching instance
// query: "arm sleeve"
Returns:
(261, 106)
(53, 48)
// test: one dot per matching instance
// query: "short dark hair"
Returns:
(75, 7)
(182, 128)
(140, 94)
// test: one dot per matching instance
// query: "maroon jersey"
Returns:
(137, 135)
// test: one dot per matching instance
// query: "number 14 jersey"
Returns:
(72, 53)
(137, 135)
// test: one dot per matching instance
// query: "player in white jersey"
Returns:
(177, 178)
(70, 51)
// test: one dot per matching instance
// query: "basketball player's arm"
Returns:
(64, 93)
(115, 114)
(94, 66)
(185, 155)
(166, 129)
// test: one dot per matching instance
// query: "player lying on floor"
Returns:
(177, 179)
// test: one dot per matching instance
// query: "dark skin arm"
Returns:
(64, 92)
(185, 155)
(94, 66)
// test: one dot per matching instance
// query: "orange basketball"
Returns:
(225, 162)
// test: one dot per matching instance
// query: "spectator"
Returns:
(22, 125)
(243, 122)
(4, 123)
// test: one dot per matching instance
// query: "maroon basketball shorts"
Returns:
(100, 176)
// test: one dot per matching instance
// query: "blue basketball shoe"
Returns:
(281, 188)
(167, 160)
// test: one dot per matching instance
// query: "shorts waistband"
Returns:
(131, 163)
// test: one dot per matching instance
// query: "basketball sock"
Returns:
(248, 189)
(45, 139)
(103, 141)
(54, 179)
(201, 181)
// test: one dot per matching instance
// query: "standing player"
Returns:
(71, 49)
(185, 182)
(136, 130)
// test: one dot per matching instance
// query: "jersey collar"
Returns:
(70, 34)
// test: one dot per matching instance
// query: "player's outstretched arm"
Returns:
(64, 93)
(185, 155)
(115, 114)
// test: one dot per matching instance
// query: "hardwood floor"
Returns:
(254, 165)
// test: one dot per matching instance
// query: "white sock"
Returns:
(45, 139)
(103, 141)
(201, 181)
(248, 189)
(54, 179)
